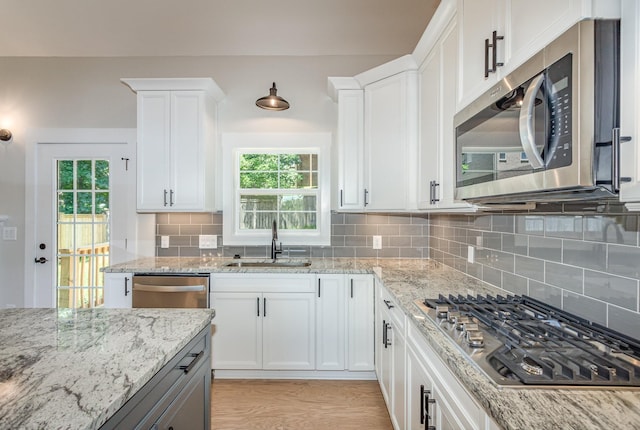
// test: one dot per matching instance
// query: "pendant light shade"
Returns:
(272, 101)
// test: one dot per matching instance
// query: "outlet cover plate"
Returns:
(208, 241)
(377, 242)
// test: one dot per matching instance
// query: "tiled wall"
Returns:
(403, 236)
(588, 264)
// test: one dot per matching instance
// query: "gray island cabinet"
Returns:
(105, 368)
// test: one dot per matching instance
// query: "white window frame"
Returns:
(234, 144)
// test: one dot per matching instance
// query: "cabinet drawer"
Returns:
(389, 303)
(263, 283)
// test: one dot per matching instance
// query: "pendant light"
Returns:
(272, 101)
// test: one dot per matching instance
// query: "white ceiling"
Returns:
(212, 27)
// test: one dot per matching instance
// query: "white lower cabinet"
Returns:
(117, 290)
(360, 323)
(390, 364)
(263, 322)
(419, 389)
(297, 322)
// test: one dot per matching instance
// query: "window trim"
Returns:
(235, 143)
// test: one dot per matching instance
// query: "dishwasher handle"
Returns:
(169, 288)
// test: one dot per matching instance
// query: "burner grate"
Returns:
(543, 345)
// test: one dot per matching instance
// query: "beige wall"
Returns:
(86, 92)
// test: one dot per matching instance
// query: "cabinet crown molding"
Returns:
(175, 84)
(336, 84)
(393, 67)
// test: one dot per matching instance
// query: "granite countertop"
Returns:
(73, 369)
(408, 280)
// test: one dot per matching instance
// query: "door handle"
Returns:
(495, 51)
(41, 260)
(366, 194)
(165, 197)
(190, 366)
(126, 285)
(171, 198)
(264, 307)
(527, 136)
(389, 304)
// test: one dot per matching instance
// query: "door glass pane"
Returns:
(82, 232)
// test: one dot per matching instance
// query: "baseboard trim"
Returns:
(293, 374)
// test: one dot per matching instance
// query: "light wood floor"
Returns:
(297, 405)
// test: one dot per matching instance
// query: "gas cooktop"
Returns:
(519, 341)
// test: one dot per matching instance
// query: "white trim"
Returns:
(33, 138)
(175, 84)
(232, 143)
(295, 374)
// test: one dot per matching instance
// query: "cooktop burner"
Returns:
(520, 341)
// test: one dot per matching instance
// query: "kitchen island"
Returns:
(411, 279)
(74, 369)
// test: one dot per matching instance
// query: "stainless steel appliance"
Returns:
(519, 341)
(550, 129)
(170, 291)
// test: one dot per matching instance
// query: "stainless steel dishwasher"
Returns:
(171, 291)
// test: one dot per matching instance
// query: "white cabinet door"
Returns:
(330, 323)
(176, 146)
(360, 322)
(419, 393)
(117, 290)
(153, 150)
(390, 142)
(187, 182)
(288, 325)
(629, 107)
(398, 346)
(430, 128)
(478, 19)
(237, 331)
(350, 150)
(384, 354)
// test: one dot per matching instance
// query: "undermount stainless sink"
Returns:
(275, 263)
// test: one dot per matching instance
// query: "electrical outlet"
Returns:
(208, 241)
(377, 242)
(471, 254)
(164, 241)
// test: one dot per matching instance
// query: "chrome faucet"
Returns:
(274, 237)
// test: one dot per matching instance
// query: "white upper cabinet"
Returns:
(349, 153)
(176, 149)
(522, 28)
(377, 138)
(630, 109)
(390, 108)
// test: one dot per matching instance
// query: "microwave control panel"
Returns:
(559, 143)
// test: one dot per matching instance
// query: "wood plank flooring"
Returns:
(297, 405)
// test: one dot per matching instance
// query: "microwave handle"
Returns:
(527, 138)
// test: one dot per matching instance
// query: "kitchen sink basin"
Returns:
(276, 263)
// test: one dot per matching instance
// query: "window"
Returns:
(281, 177)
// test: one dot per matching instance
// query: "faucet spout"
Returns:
(275, 250)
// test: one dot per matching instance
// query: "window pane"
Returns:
(290, 162)
(297, 221)
(84, 175)
(257, 220)
(85, 205)
(259, 180)
(258, 203)
(307, 180)
(65, 203)
(102, 175)
(65, 270)
(65, 298)
(298, 203)
(259, 162)
(65, 175)
(290, 180)
(102, 202)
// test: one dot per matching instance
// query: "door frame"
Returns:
(39, 136)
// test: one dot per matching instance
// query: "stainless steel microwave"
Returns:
(550, 129)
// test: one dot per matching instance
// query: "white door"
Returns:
(360, 323)
(236, 341)
(82, 209)
(288, 334)
(330, 325)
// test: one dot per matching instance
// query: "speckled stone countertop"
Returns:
(73, 369)
(408, 280)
